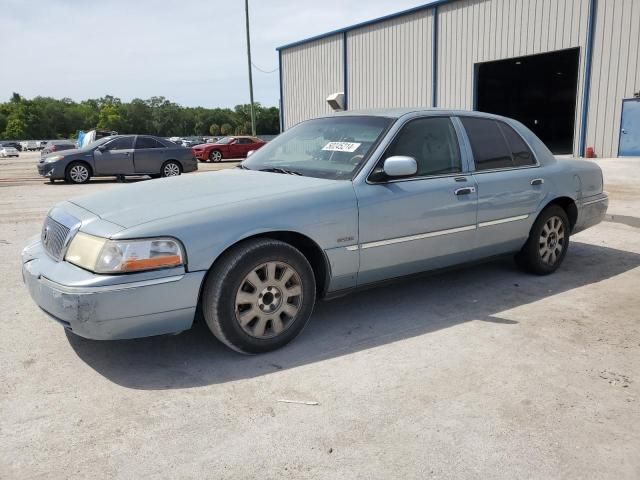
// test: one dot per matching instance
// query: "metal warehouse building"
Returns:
(568, 69)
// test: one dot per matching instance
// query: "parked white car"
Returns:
(9, 152)
(30, 145)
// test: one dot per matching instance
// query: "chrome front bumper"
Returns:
(110, 307)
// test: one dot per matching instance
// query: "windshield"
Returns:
(330, 148)
(225, 140)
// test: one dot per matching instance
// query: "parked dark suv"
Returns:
(56, 146)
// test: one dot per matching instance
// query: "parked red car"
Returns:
(227, 147)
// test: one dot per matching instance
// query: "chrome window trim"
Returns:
(108, 288)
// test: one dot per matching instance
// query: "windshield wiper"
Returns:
(280, 170)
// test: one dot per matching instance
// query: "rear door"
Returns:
(422, 222)
(510, 185)
(150, 154)
(116, 158)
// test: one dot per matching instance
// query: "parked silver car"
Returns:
(8, 152)
(330, 205)
(120, 155)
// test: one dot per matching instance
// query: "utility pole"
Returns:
(253, 113)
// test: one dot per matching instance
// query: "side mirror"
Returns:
(400, 166)
(102, 148)
(250, 152)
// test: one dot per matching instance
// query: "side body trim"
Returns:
(437, 233)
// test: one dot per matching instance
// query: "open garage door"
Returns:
(538, 90)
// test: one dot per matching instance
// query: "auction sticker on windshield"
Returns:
(341, 147)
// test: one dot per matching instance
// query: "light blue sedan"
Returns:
(333, 204)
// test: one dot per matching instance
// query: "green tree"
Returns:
(214, 129)
(16, 129)
(226, 129)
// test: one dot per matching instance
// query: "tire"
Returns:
(170, 168)
(259, 296)
(547, 244)
(77, 172)
(215, 156)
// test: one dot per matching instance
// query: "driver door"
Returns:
(424, 222)
(115, 157)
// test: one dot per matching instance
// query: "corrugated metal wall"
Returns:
(615, 71)
(310, 72)
(389, 64)
(473, 31)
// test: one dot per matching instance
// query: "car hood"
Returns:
(67, 153)
(148, 201)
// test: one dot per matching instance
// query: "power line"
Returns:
(263, 71)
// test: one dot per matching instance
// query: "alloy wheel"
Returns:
(171, 170)
(552, 240)
(79, 173)
(268, 300)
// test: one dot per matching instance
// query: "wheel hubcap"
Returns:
(552, 240)
(268, 300)
(216, 156)
(79, 174)
(171, 170)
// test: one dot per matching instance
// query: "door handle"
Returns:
(537, 181)
(465, 190)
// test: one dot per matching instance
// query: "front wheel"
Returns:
(170, 169)
(548, 242)
(78, 172)
(215, 156)
(259, 296)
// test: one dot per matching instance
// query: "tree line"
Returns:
(43, 118)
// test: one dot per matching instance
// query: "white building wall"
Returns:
(474, 31)
(389, 64)
(615, 71)
(310, 72)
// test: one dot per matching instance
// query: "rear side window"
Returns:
(432, 142)
(148, 142)
(120, 143)
(520, 152)
(496, 145)
(489, 147)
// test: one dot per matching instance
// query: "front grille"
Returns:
(54, 236)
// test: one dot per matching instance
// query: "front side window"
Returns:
(147, 142)
(332, 147)
(120, 143)
(432, 142)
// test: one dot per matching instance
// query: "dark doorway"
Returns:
(538, 90)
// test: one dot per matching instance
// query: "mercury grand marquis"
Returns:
(332, 204)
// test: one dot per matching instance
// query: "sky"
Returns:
(191, 51)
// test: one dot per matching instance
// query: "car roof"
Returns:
(399, 112)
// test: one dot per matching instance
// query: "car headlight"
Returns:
(53, 158)
(100, 255)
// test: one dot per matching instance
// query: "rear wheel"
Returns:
(259, 296)
(170, 168)
(78, 172)
(548, 242)
(215, 156)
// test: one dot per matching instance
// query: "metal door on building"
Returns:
(630, 129)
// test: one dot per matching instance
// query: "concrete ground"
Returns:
(484, 372)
